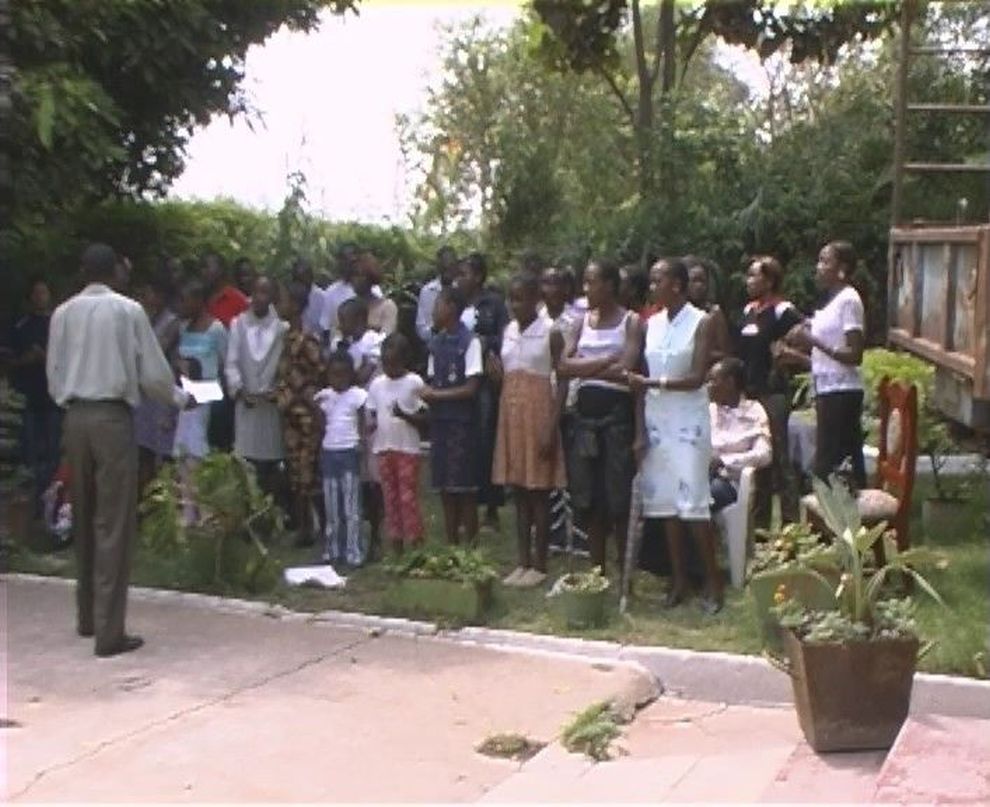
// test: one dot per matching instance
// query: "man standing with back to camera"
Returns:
(102, 356)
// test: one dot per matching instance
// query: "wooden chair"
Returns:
(890, 498)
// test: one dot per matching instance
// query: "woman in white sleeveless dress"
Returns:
(674, 443)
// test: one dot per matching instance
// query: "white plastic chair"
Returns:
(733, 524)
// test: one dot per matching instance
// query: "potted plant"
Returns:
(225, 548)
(852, 665)
(581, 597)
(446, 580)
(784, 557)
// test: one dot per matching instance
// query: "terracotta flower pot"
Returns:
(851, 695)
(466, 602)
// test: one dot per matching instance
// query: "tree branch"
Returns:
(617, 91)
(658, 53)
(702, 29)
(641, 69)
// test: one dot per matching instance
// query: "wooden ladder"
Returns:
(902, 106)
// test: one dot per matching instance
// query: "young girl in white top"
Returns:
(835, 339)
(528, 453)
(395, 419)
(342, 404)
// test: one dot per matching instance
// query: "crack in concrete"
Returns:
(182, 713)
(672, 721)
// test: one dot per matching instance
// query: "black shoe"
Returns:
(86, 633)
(125, 645)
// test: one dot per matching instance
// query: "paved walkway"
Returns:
(234, 707)
(224, 707)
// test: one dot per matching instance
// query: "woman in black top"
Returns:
(487, 316)
(767, 319)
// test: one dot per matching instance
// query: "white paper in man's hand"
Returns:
(202, 392)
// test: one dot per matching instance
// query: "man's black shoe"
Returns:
(86, 633)
(125, 645)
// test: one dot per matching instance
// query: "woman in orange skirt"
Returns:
(528, 454)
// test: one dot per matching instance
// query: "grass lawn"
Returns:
(961, 629)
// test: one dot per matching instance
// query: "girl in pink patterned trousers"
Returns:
(396, 419)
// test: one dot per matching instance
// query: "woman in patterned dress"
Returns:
(301, 374)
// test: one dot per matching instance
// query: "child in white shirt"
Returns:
(364, 346)
(396, 416)
(342, 404)
(362, 343)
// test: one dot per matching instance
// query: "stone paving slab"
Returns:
(810, 778)
(938, 760)
(241, 707)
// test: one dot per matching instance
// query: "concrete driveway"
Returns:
(240, 707)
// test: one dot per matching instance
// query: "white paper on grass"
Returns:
(314, 575)
(202, 392)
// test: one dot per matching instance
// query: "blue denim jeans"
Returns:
(342, 498)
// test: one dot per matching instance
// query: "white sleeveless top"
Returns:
(597, 342)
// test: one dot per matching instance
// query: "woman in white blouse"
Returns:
(528, 453)
(835, 338)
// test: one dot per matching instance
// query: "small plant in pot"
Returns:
(793, 557)
(581, 597)
(852, 665)
(451, 581)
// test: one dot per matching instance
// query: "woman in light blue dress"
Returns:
(674, 444)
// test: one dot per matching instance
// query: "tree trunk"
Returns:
(644, 120)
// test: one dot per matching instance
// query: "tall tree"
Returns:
(582, 35)
(106, 93)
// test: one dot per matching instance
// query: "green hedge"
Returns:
(148, 231)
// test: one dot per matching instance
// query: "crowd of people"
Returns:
(620, 400)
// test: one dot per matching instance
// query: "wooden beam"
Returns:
(963, 109)
(981, 323)
(955, 235)
(957, 362)
(928, 50)
(900, 109)
(946, 168)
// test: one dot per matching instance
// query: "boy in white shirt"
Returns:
(342, 404)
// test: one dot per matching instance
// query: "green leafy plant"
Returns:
(234, 517)
(452, 563)
(591, 731)
(792, 544)
(861, 612)
(590, 582)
